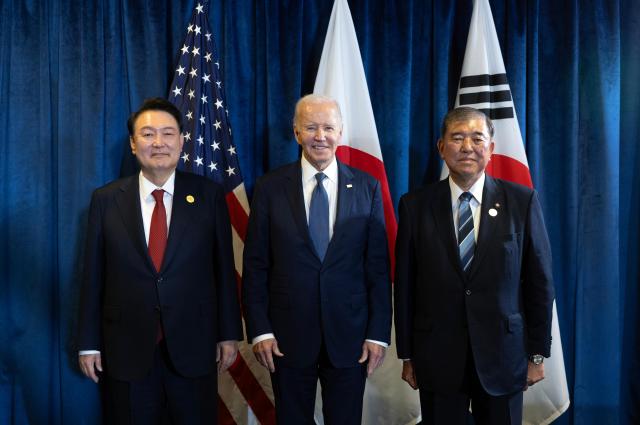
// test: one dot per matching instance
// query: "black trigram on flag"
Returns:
(484, 94)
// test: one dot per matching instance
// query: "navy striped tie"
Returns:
(466, 238)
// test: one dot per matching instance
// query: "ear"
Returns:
(132, 144)
(492, 145)
(296, 134)
(441, 147)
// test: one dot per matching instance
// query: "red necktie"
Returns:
(158, 231)
(158, 240)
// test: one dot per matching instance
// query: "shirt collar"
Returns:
(146, 186)
(309, 171)
(475, 190)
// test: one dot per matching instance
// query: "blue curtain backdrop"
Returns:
(71, 72)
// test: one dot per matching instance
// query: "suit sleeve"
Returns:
(255, 272)
(229, 323)
(537, 281)
(377, 273)
(89, 323)
(404, 282)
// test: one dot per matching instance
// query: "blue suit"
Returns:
(315, 306)
(500, 310)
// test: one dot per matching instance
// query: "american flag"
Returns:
(244, 394)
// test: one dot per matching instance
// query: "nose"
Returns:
(467, 144)
(319, 134)
(157, 140)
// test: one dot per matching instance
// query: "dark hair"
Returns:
(154, 104)
(465, 113)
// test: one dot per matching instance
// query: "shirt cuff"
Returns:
(384, 344)
(262, 338)
(87, 352)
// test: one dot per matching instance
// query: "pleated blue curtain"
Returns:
(71, 72)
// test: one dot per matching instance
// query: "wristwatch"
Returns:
(536, 359)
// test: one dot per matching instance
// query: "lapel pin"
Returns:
(497, 205)
(493, 212)
(349, 186)
(190, 199)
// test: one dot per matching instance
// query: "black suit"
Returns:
(194, 293)
(317, 309)
(499, 311)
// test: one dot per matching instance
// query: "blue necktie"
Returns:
(466, 239)
(319, 217)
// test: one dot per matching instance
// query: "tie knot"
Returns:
(320, 177)
(158, 194)
(466, 196)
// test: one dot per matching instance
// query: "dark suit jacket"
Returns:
(502, 305)
(195, 290)
(288, 291)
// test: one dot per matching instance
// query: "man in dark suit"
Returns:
(159, 302)
(473, 288)
(316, 285)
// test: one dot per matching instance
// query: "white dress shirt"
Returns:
(474, 203)
(147, 204)
(330, 184)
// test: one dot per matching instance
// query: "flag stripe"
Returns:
(252, 391)
(224, 416)
(238, 216)
(483, 80)
(485, 97)
(373, 166)
(498, 113)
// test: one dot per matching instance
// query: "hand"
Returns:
(409, 375)
(264, 351)
(535, 373)
(375, 353)
(89, 363)
(226, 354)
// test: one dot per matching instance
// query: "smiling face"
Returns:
(318, 129)
(466, 148)
(156, 142)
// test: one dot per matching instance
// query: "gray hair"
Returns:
(465, 113)
(316, 99)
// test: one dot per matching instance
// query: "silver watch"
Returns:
(536, 359)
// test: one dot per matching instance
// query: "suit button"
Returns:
(160, 280)
(468, 292)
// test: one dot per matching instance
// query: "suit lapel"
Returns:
(491, 196)
(128, 201)
(295, 198)
(346, 192)
(180, 217)
(444, 223)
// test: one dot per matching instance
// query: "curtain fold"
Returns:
(71, 72)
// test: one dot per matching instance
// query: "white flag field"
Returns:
(388, 400)
(483, 85)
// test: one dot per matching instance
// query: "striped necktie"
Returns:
(466, 239)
